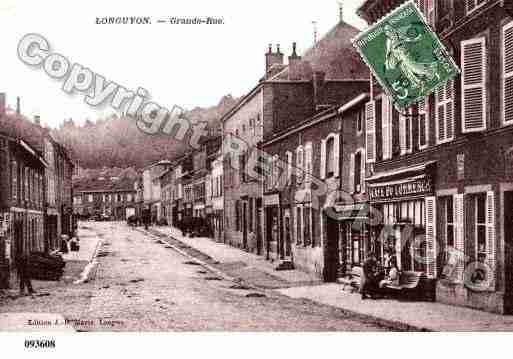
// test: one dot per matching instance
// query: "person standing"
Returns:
(22, 267)
(368, 279)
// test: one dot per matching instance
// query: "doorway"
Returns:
(331, 250)
(245, 225)
(287, 235)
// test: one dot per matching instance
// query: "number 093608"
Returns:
(39, 343)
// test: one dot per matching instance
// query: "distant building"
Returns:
(113, 197)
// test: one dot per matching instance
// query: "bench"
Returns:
(411, 284)
(353, 279)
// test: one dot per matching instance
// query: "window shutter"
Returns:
(473, 59)
(308, 162)
(386, 128)
(449, 113)
(362, 169)
(370, 131)
(323, 159)
(459, 235)
(507, 70)
(289, 167)
(490, 236)
(423, 120)
(351, 173)
(336, 155)
(431, 236)
(402, 134)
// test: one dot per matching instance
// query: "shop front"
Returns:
(348, 238)
(272, 210)
(404, 214)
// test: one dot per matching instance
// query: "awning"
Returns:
(342, 212)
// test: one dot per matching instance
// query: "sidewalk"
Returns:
(238, 263)
(421, 315)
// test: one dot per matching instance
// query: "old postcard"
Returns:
(281, 166)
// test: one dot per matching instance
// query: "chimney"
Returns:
(18, 110)
(295, 65)
(318, 84)
(2, 103)
(272, 58)
(37, 120)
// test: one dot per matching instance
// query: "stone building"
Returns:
(446, 171)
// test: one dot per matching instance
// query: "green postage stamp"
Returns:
(405, 55)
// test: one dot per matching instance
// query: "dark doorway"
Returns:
(331, 250)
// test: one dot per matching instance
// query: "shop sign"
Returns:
(408, 188)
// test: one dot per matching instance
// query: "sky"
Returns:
(184, 65)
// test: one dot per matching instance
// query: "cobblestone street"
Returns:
(142, 284)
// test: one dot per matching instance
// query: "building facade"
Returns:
(22, 199)
(442, 177)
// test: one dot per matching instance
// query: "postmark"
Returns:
(405, 55)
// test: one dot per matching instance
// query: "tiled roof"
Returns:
(20, 127)
(335, 55)
(95, 184)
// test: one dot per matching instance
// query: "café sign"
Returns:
(407, 188)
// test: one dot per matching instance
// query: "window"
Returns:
(386, 128)
(14, 176)
(507, 72)
(307, 235)
(472, 5)
(423, 123)
(357, 172)
(89, 197)
(480, 227)
(473, 84)
(360, 118)
(330, 157)
(299, 164)
(405, 132)
(27, 189)
(444, 112)
(428, 9)
(298, 225)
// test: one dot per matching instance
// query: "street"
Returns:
(142, 284)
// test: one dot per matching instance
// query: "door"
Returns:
(331, 250)
(18, 238)
(287, 235)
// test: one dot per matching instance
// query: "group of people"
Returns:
(375, 277)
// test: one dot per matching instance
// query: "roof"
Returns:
(335, 55)
(20, 127)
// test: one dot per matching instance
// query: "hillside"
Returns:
(117, 142)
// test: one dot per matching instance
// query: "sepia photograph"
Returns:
(242, 168)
